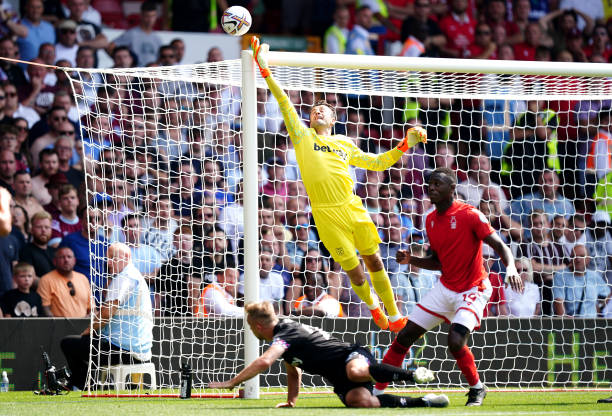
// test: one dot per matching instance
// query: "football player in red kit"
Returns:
(455, 231)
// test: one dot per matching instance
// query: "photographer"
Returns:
(122, 330)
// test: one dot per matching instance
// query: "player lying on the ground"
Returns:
(455, 231)
(343, 224)
(350, 368)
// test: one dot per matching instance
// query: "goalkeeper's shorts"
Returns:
(345, 230)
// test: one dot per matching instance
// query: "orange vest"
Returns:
(299, 300)
(200, 308)
(592, 156)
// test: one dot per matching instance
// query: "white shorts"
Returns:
(442, 304)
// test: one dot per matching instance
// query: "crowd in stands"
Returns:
(539, 171)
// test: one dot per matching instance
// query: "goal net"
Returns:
(192, 168)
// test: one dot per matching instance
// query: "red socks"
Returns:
(465, 361)
(395, 357)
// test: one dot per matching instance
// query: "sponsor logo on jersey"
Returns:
(453, 223)
(327, 149)
(340, 251)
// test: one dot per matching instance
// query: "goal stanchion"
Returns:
(177, 145)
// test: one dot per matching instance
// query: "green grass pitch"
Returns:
(578, 403)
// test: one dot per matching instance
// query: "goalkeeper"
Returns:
(350, 368)
(343, 224)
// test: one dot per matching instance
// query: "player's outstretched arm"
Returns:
(430, 262)
(294, 381)
(295, 127)
(259, 365)
(382, 161)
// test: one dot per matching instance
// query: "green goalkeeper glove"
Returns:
(260, 55)
(413, 136)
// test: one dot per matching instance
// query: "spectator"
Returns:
(483, 46)
(38, 30)
(412, 285)
(67, 222)
(57, 121)
(178, 281)
(48, 167)
(599, 245)
(219, 298)
(55, 182)
(216, 253)
(22, 302)
(122, 327)
(392, 242)
(8, 168)
(546, 199)
(143, 39)
(123, 57)
(547, 257)
(9, 71)
(316, 301)
(64, 146)
(66, 46)
(13, 108)
(508, 229)
(600, 44)
(65, 292)
(8, 141)
(271, 284)
(146, 259)
(20, 222)
(37, 252)
(577, 290)
(21, 124)
(358, 42)
(602, 195)
(22, 185)
(430, 34)
(9, 245)
(159, 227)
(479, 182)
(528, 303)
(496, 14)
(526, 51)
(334, 39)
(89, 248)
(574, 43)
(88, 33)
(179, 49)
(458, 27)
(562, 23)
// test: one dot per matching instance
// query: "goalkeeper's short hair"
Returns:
(326, 104)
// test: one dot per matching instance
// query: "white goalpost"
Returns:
(192, 168)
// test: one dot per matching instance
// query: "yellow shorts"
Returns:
(345, 229)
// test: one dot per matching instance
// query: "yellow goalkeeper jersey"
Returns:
(324, 160)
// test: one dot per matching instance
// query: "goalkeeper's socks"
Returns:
(365, 294)
(382, 286)
(389, 400)
(386, 373)
(465, 362)
(395, 356)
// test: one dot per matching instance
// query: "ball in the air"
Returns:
(236, 21)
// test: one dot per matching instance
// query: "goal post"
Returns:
(203, 145)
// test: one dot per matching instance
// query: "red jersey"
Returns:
(524, 52)
(456, 238)
(60, 227)
(459, 32)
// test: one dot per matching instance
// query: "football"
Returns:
(236, 21)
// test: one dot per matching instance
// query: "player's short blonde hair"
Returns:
(262, 312)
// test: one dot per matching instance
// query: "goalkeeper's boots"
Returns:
(607, 400)
(423, 375)
(436, 400)
(380, 318)
(476, 396)
(396, 326)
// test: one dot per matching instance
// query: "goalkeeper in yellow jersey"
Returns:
(343, 224)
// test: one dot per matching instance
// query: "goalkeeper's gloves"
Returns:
(260, 55)
(413, 136)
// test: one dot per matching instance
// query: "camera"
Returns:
(57, 380)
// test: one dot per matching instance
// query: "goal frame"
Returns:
(250, 82)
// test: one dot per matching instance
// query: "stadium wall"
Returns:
(549, 353)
